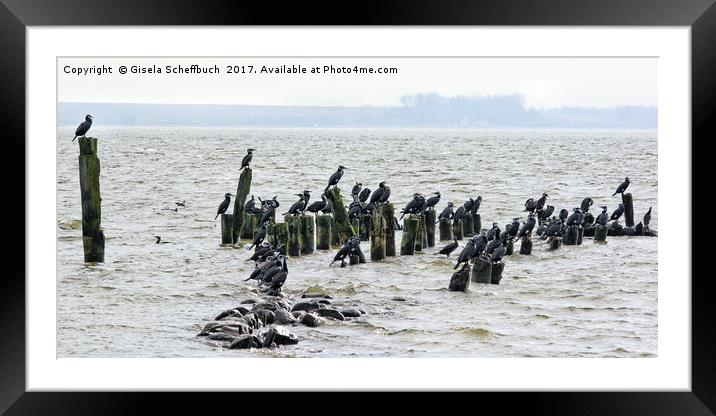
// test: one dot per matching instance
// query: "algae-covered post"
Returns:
(377, 235)
(294, 235)
(445, 230)
(250, 226)
(323, 232)
(430, 226)
(457, 229)
(389, 215)
(481, 270)
(308, 244)
(628, 209)
(410, 233)
(340, 214)
(476, 223)
(419, 241)
(555, 243)
(526, 245)
(278, 234)
(460, 280)
(600, 232)
(571, 236)
(364, 226)
(468, 225)
(227, 229)
(496, 275)
(92, 234)
(242, 190)
(335, 238)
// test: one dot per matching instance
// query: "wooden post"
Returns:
(430, 226)
(323, 232)
(481, 270)
(343, 225)
(308, 243)
(377, 235)
(421, 231)
(526, 245)
(251, 225)
(460, 280)
(496, 274)
(509, 248)
(242, 191)
(555, 243)
(353, 259)
(458, 229)
(294, 235)
(477, 223)
(280, 235)
(389, 215)
(445, 230)
(335, 238)
(361, 256)
(580, 235)
(92, 233)
(468, 225)
(365, 226)
(616, 230)
(628, 209)
(410, 233)
(600, 232)
(571, 236)
(227, 229)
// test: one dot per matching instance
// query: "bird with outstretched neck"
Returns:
(83, 127)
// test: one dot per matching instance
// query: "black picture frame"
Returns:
(16, 15)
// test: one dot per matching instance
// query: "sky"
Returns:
(543, 82)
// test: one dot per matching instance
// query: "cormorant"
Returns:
(476, 205)
(318, 205)
(617, 213)
(159, 240)
(250, 207)
(363, 196)
(530, 205)
(268, 215)
(466, 253)
(83, 127)
(447, 213)
(468, 205)
(385, 194)
(622, 187)
(347, 249)
(355, 210)
(492, 245)
(356, 189)
(412, 206)
(554, 229)
(639, 229)
(529, 226)
(586, 203)
(260, 235)
(328, 208)
(265, 248)
(563, 214)
(247, 159)
(459, 214)
(279, 278)
(541, 201)
(603, 218)
(433, 200)
(297, 207)
(494, 232)
(577, 218)
(647, 218)
(269, 203)
(480, 244)
(514, 227)
(547, 212)
(224, 205)
(499, 252)
(333, 180)
(181, 204)
(449, 248)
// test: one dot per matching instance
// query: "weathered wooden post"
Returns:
(308, 243)
(526, 245)
(600, 232)
(294, 235)
(571, 236)
(227, 229)
(251, 224)
(353, 259)
(616, 230)
(340, 214)
(496, 274)
(92, 233)
(468, 225)
(460, 280)
(421, 231)
(365, 226)
(335, 238)
(458, 230)
(389, 215)
(278, 234)
(242, 191)
(377, 235)
(323, 232)
(481, 269)
(555, 243)
(477, 223)
(628, 209)
(430, 226)
(509, 248)
(445, 230)
(410, 233)
(580, 235)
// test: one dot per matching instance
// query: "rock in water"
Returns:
(460, 280)
(282, 336)
(283, 317)
(310, 320)
(246, 341)
(350, 313)
(306, 306)
(330, 313)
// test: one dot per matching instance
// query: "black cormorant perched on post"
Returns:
(328, 208)
(356, 189)
(447, 213)
(468, 205)
(363, 196)
(499, 252)
(541, 202)
(480, 240)
(617, 213)
(247, 159)
(333, 180)
(224, 205)
(622, 187)
(514, 227)
(603, 218)
(433, 200)
(528, 227)
(459, 214)
(494, 232)
(476, 205)
(577, 218)
(385, 194)
(563, 214)
(355, 210)
(269, 214)
(298, 206)
(492, 245)
(83, 127)
(413, 206)
(448, 248)
(317, 205)
(553, 229)
(376, 196)
(250, 207)
(260, 235)
(647, 218)
(547, 212)
(466, 253)
(586, 203)
(530, 205)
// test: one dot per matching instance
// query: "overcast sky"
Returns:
(544, 82)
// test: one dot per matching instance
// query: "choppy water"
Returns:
(151, 300)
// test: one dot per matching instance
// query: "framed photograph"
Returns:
(440, 197)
